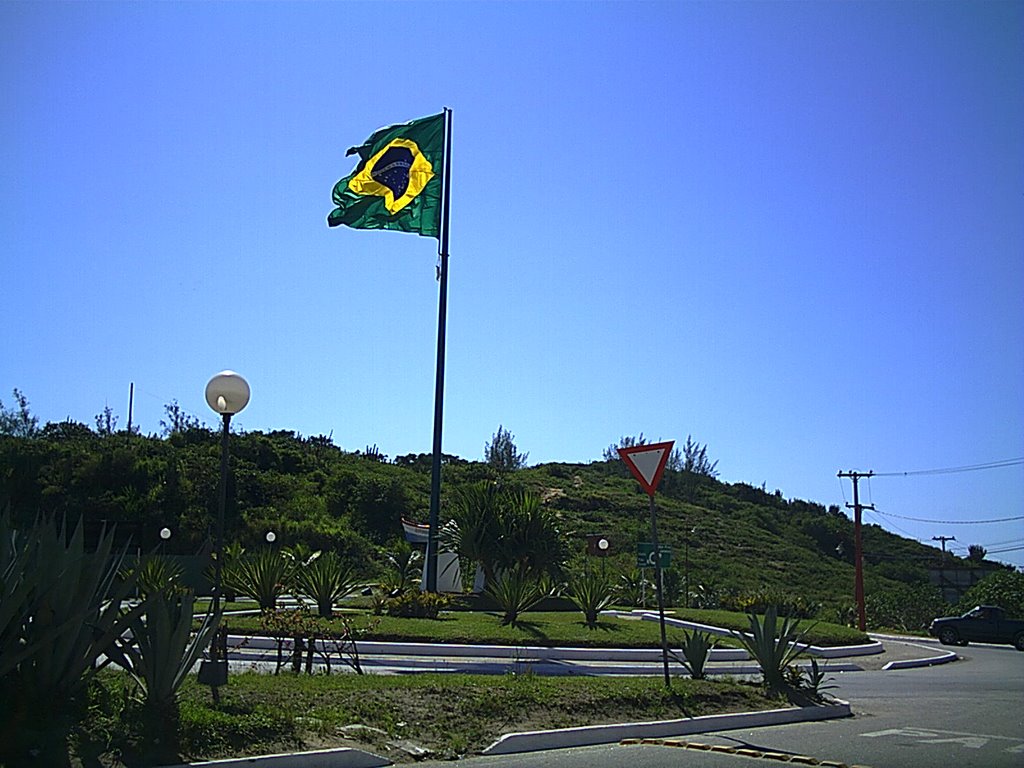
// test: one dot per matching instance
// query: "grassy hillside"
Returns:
(742, 543)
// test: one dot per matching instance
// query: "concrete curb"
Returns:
(945, 657)
(321, 758)
(508, 652)
(531, 741)
(931, 661)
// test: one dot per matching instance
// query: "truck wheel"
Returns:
(1018, 641)
(948, 636)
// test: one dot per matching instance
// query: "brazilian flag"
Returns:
(397, 184)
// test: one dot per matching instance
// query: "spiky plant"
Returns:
(693, 653)
(263, 576)
(158, 573)
(19, 583)
(325, 580)
(159, 654)
(774, 645)
(65, 613)
(591, 592)
(516, 591)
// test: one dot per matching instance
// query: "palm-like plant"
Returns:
(263, 576)
(503, 530)
(325, 580)
(472, 532)
(403, 570)
(528, 535)
(773, 645)
(635, 588)
(591, 593)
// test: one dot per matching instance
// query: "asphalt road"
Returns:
(967, 714)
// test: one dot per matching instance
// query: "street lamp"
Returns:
(227, 393)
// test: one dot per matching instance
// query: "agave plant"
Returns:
(591, 592)
(325, 580)
(773, 645)
(64, 613)
(18, 586)
(158, 573)
(159, 654)
(693, 653)
(517, 590)
(263, 576)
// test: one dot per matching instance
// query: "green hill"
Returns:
(735, 544)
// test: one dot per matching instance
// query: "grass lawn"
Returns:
(450, 715)
(554, 628)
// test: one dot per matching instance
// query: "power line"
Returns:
(892, 525)
(951, 470)
(1006, 543)
(951, 522)
(1001, 551)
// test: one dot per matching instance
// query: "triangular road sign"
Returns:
(647, 462)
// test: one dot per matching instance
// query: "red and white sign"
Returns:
(647, 462)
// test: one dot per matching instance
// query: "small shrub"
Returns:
(416, 605)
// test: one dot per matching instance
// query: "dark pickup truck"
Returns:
(983, 624)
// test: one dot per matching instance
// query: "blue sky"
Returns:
(794, 231)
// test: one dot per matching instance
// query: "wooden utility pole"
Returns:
(858, 554)
(942, 563)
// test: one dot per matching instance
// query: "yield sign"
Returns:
(647, 462)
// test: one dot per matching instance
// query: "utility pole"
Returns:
(858, 554)
(131, 402)
(942, 563)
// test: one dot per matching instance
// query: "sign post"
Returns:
(647, 463)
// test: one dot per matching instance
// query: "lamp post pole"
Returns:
(222, 492)
(227, 393)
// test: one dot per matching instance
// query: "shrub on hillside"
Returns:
(758, 602)
(906, 608)
(1005, 589)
